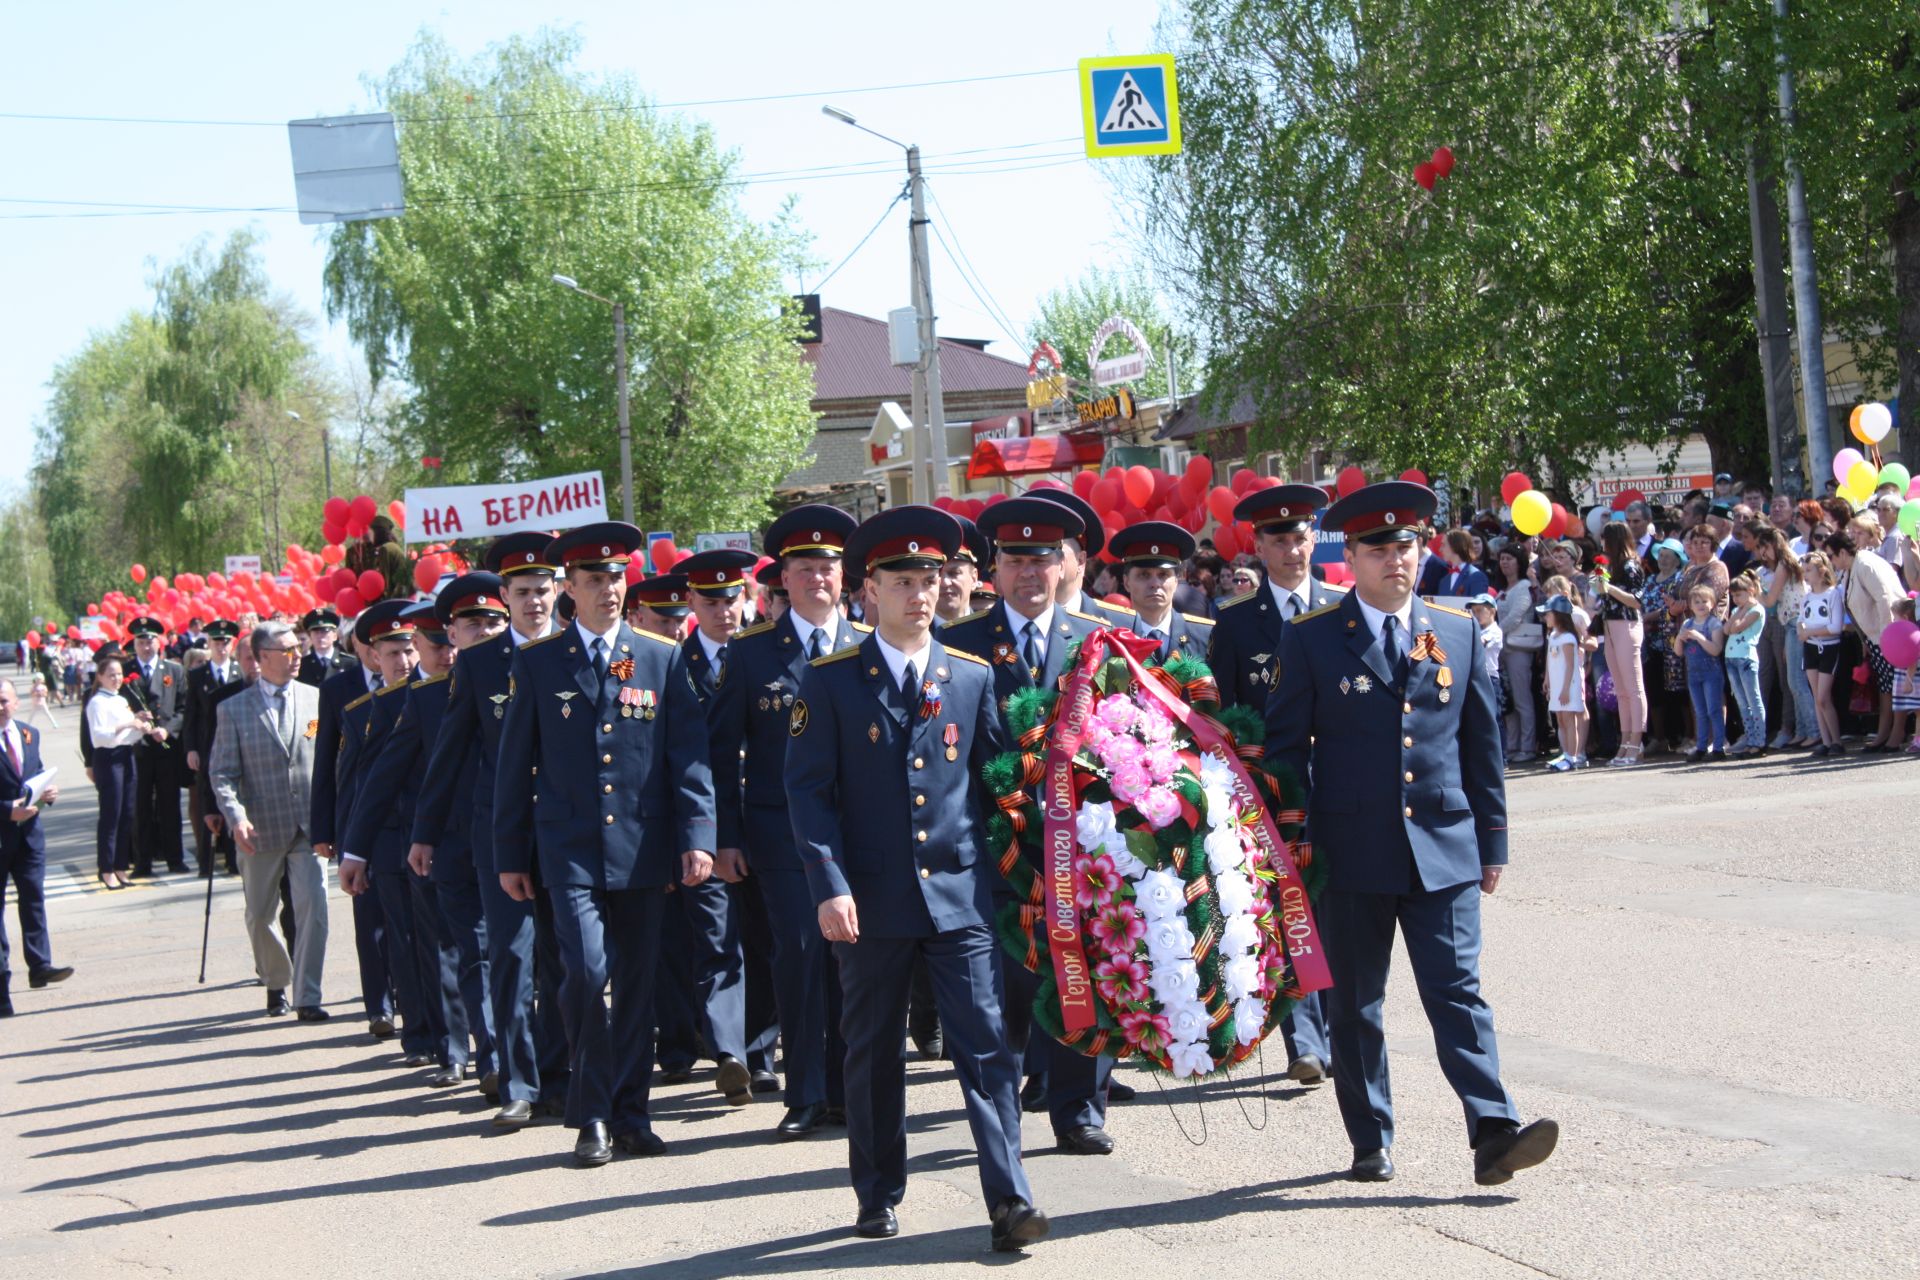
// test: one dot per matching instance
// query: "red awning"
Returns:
(1024, 456)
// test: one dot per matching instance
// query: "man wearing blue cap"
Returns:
(748, 719)
(523, 949)
(603, 783)
(1383, 709)
(888, 812)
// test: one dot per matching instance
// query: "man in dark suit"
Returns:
(1024, 640)
(23, 852)
(156, 684)
(1247, 628)
(747, 721)
(1384, 711)
(1150, 554)
(625, 808)
(323, 658)
(1452, 572)
(204, 684)
(888, 812)
(523, 949)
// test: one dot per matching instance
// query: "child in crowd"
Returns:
(39, 705)
(1701, 638)
(1823, 616)
(1906, 688)
(1566, 682)
(1483, 610)
(1745, 620)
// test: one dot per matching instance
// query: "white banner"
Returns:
(489, 510)
(243, 564)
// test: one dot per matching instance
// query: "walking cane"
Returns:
(206, 926)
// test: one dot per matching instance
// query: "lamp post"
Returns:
(620, 375)
(922, 289)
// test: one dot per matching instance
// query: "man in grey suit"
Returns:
(262, 780)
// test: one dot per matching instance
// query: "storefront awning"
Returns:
(1026, 456)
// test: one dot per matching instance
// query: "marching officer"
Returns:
(523, 951)
(157, 685)
(889, 742)
(660, 605)
(1383, 709)
(960, 575)
(1024, 640)
(204, 684)
(773, 596)
(603, 720)
(1076, 551)
(1150, 554)
(748, 720)
(323, 658)
(1245, 639)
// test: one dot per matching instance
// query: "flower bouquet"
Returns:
(1159, 898)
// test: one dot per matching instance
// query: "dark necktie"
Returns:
(600, 657)
(1031, 649)
(1159, 639)
(817, 644)
(720, 662)
(1394, 644)
(1292, 610)
(13, 754)
(909, 687)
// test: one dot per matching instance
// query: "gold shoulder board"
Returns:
(838, 655)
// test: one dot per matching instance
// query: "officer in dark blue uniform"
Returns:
(448, 934)
(1150, 554)
(378, 867)
(961, 575)
(323, 660)
(660, 604)
(353, 688)
(748, 719)
(603, 781)
(1076, 552)
(773, 595)
(1383, 708)
(1024, 640)
(889, 813)
(523, 949)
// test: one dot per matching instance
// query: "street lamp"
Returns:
(620, 374)
(922, 289)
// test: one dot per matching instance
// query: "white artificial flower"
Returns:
(1241, 975)
(1216, 772)
(1123, 860)
(1174, 982)
(1161, 895)
(1094, 824)
(1187, 1020)
(1189, 1058)
(1240, 933)
(1219, 804)
(1236, 892)
(1249, 1020)
(1224, 849)
(1169, 940)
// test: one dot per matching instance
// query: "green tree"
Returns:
(26, 573)
(518, 168)
(1068, 316)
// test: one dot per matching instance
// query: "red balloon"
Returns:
(1113, 522)
(426, 572)
(1201, 466)
(1424, 173)
(1513, 486)
(344, 577)
(943, 503)
(371, 585)
(364, 507)
(1350, 479)
(1561, 523)
(1083, 482)
(218, 581)
(93, 611)
(994, 499)
(397, 512)
(1241, 479)
(1220, 502)
(1414, 475)
(335, 511)
(661, 553)
(33, 640)
(681, 557)
(636, 570)
(356, 527)
(138, 573)
(332, 553)
(1226, 541)
(1139, 485)
(348, 602)
(1163, 485)
(1443, 161)
(73, 633)
(1047, 483)
(1626, 498)
(1104, 497)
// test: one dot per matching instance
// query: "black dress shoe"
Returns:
(765, 1082)
(1117, 1092)
(594, 1147)
(382, 1028)
(931, 1044)
(1085, 1140)
(312, 1013)
(277, 1006)
(643, 1143)
(1033, 1097)
(418, 1060)
(734, 1082)
(1501, 1154)
(59, 973)
(6, 1006)
(1372, 1166)
(552, 1108)
(515, 1113)
(490, 1086)
(877, 1224)
(833, 1115)
(1307, 1070)
(444, 1078)
(801, 1121)
(675, 1075)
(176, 868)
(1017, 1224)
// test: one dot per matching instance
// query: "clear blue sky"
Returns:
(1025, 230)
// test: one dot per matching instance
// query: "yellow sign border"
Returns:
(1089, 113)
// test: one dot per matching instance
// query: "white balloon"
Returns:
(1596, 520)
(1875, 421)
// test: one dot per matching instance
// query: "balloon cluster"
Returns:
(1534, 513)
(1858, 478)
(1870, 423)
(1427, 172)
(344, 518)
(664, 556)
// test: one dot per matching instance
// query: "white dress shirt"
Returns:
(1300, 595)
(712, 649)
(110, 720)
(803, 632)
(897, 659)
(1374, 617)
(1043, 625)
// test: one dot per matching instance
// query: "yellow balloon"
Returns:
(1855, 499)
(1531, 512)
(1861, 477)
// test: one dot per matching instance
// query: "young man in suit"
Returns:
(204, 683)
(1246, 632)
(156, 684)
(23, 852)
(323, 659)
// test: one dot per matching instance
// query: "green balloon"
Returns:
(1910, 517)
(1896, 475)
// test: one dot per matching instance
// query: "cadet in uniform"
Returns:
(1076, 551)
(1382, 707)
(603, 782)
(960, 575)
(748, 716)
(659, 605)
(322, 660)
(889, 741)
(204, 684)
(1245, 639)
(1150, 554)
(337, 692)
(523, 953)
(157, 685)
(378, 867)
(1024, 640)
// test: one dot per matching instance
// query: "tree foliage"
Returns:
(518, 168)
(1068, 316)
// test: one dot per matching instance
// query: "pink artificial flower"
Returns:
(1121, 980)
(1162, 761)
(1117, 714)
(1119, 926)
(1159, 806)
(1121, 750)
(1130, 782)
(1146, 1031)
(1095, 881)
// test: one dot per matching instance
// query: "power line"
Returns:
(878, 223)
(950, 242)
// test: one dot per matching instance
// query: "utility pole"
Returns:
(1770, 317)
(626, 430)
(923, 306)
(1806, 291)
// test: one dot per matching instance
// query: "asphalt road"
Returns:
(1709, 976)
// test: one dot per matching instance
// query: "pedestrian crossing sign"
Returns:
(1130, 106)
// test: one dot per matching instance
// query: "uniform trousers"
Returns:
(609, 935)
(1442, 929)
(875, 974)
(702, 976)
(523, 985)
(370, 949)
(156, 812)
(1305, 1029)
(756, 953)
(807, 989)
(26, 869)
(260, 876)
(410, 958)
(461, 935)
(113, 834)
(1076, 1085)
